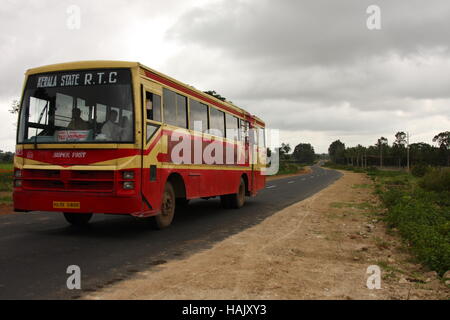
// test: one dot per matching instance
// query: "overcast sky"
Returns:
(309, 68)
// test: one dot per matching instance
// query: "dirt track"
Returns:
(319, 248)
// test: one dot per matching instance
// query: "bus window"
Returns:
(64, 106)
(38, 115)
(261, 137)
(199, 113)
(182, 111)
(76, 111)
(217, 121)
(153, 106)
(232, 127)
(243, 131)
(101, 113)
(175, 106)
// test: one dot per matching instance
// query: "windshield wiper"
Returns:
(39, 122)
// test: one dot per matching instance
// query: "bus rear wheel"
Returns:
(78, 219)
(236, 200)
(165, 218)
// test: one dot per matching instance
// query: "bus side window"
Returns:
(153, 106)
(217, 122)
(244, 131)
(262, 137)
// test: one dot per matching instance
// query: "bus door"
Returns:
(151, 148)
(245, 134)
(253, 145)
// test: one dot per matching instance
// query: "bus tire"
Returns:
(78, 219)
(236, 200)
(165, 218)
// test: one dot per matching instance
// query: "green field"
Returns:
(418, 207)
(6, 180)
(6, 166)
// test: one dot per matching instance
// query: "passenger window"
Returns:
(243, 130)
(199, 113)
(175, 109)
(153, 106)
(217, 121)
(232, 127)
(181, 111)
(262, 137)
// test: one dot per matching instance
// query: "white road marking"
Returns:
(291, 182)
(271, 187)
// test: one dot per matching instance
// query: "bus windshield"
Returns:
(89, 106)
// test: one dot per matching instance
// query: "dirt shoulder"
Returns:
(319, 248)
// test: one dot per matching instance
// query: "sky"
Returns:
(312, 69)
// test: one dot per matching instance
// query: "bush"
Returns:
(420, 210)
(419, 170)
(436, 180)
(6, 181)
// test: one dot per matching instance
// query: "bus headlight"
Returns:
(128, 185)
(18, 174)
(128, 175)
(18, 183)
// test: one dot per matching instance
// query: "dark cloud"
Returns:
(310, 68)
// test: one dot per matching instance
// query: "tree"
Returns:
(443, 140)
(215, 95)
(284, 150)
(337, 152)
(381, 143)
(15, 105)
(304, 153)
(398, 147)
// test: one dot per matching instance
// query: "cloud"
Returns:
(311, 68)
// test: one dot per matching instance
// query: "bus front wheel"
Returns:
(165, 218)
(78, 219)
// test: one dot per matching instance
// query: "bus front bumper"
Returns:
(27, 201)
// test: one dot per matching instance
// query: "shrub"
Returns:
(419, 170)
(436, 180)
(6, 181)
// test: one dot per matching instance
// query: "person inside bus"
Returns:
(111, 129)
(127, 129)
(77, 122)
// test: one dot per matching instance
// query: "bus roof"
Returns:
(77, 65)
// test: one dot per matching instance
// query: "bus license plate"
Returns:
(66, 205)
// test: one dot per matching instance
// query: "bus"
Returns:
(114, 137)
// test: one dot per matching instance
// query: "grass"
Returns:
(6, 166)
(6, 180)
(289, 168)
(6, 200)
(419, 208)
(361, 186)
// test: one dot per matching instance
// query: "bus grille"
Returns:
(68, 180)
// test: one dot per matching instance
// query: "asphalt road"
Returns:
(37, 248)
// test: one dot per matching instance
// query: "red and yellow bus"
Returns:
(116, 137)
